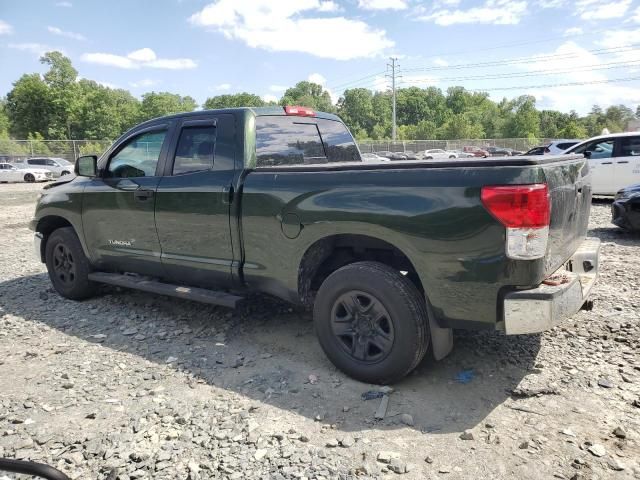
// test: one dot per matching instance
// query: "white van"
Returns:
(614, 160)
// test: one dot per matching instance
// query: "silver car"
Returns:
(58, 166)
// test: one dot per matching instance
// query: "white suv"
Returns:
(614, 161)
(560, 146)
(59, 166)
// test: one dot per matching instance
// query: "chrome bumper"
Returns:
(562, 295)
(37, 246)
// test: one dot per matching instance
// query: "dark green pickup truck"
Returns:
(391, 256)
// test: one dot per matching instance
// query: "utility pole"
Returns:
(393, 65)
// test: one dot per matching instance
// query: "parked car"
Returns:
(437, 153)
(213, 205)
(625, 210)
(502, 151)
(476, 151)
(11, 173)
(614, 160)
(59, 166)
(539, 150)
(372, 157)
(560, 146)
(410, 155)
(463, 154)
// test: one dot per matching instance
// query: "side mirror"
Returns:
(86, 166)
(588, 153)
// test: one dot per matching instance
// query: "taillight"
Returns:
(299, 111)
(525, 211)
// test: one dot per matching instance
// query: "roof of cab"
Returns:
(257, 111)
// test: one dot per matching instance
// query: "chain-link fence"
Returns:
(519, 144)
(14, 150)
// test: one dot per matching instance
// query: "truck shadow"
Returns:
(267, 351)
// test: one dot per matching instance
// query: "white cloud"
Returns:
(317, 78)
(581, 98)
(497, 12)
(573, 31)
(63, 33)
(284, 26)
(269, 97)
(569, 57)
(64, 4)
(440, 62)
(5, 28)
(278, 88)
(223, 86)
(329, 6)
(636, 15)
(107, 84)
(35, 48)
(621, 39)
(144, 83)
(382, 4)
(599, 10)
(144, 57)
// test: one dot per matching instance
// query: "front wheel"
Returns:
(371, 322)
(67, 265)
(29, 178)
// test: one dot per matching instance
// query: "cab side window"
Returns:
(597, 149)
(195, 150)
(139, 156)
(629, 147)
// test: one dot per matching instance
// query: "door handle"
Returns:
(607, 163)
(624, 161)
(142, 195)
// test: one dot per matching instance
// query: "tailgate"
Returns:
(569, 182)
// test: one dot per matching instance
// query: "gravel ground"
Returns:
(130, 385)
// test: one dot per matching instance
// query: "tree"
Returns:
(243, 99)
(29, 106)
(355, 108)
(4, 119)
(63, 91)
(525, 121)
(164, 103)
(308, 94)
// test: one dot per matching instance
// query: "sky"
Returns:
(569, 54)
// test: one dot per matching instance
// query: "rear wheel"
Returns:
(452, 156)
(67, 265)
(29, 178)
(371, 322)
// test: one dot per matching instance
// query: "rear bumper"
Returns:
(562, 295)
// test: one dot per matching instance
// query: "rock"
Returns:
(467, 435)
(397, 466)
(444, 469)
(68, 385)
(347, 441)
(620, 432)
(597, 450)
(171, 359)
(386, 456)
(616, 465)
(387, 390)
(382, 408)
(303, 438)
(130, 331)
(428, 459)
(332, 443)
(524, 445)
(568, 432)
(260, 453)
(313, 379)
(605, 382)
(407, 419)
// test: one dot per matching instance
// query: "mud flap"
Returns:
(441, 338)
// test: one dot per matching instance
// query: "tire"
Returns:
(67, 265)
(373, 290)
(429, 158)
(29, 178)
(452, 156)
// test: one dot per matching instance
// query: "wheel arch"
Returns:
(49, 224)
(332, 252)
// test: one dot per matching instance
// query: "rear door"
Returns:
(193, 202)
(627, 162)
(118, 206)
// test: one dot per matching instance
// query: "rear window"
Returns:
(565, 145)
(286, 140)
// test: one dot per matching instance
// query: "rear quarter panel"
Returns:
(433, 215)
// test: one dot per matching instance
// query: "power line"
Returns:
(346, 84)
(533, 73)
(553, 85)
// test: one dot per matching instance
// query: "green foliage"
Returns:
(308, 94)
(164, 103)
(37, 145)
(243, 99)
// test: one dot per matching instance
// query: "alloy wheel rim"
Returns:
(362, 326)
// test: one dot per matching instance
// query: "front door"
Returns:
(600, 155)
(118, 206)
(193, 202)
(627, 162)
